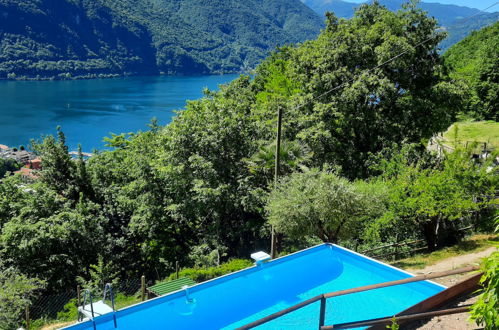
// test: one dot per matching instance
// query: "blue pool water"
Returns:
(242, 297)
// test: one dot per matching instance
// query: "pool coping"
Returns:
(251, 269)
(387, 265)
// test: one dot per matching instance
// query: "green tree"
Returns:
(8, 165)
(58, 168)
(356, 100)
(16, 292)
(321, 204)
(428, 196)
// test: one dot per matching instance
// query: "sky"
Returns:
(479, 4)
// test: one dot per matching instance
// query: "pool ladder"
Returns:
(88, 295)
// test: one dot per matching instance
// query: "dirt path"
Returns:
(456, 321)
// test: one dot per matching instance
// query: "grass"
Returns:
(123, 301)
(473, 244)
(70, 314)
(56, 325)
(478, 131)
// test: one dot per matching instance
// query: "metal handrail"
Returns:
(324, 296)
(109, 288)
(88, 294)
(389, 320)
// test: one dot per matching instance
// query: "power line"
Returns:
(391, 59)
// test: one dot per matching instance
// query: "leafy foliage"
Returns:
(41, 39)
(406, 99)
(428, 195)
(475, 61)
(322, 204)
(8, 165)
(16, 290)
(205, 274)
(485, 312)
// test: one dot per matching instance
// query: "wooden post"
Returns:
(143, 287)
(273, 242)
(78, 294)
(177, 268)
(322, 316)
(27, 317)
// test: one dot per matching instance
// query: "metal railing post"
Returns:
(143, 287)
(322, 316)
(78, 294)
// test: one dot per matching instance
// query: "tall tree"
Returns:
(365, 83)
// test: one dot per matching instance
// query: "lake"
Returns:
(88, 110)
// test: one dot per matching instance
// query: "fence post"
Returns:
(176, 268)
(143, 287)
(27, 317)
(78, 294)
(322, 317)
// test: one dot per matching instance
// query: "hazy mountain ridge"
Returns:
(449, 16)
(88, 38)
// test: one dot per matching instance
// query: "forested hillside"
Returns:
(448, 16)
(463, 27)
(475, 62)
(89, 38)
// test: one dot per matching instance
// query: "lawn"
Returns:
(478, 131)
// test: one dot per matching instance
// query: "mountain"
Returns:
(338, 7)
(451, 17)
(92, 38)
(464, 27)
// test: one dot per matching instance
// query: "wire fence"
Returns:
(398, 250)
(47, 306)
(64, 305)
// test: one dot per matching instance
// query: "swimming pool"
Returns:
(239, 298)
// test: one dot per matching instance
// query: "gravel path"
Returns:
(455, 321)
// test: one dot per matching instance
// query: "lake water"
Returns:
(88, 110)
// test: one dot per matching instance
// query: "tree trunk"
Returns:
(430, 231)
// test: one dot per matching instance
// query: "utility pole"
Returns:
(273, 243)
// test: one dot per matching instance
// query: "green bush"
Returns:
(69, 312)
(205, 274)
(485, 312)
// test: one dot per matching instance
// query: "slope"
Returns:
(475, 62)
(448, 16)
(92, 38)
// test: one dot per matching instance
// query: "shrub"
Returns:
(205, 274)
(485, 312)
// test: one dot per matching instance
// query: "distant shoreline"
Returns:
(64, 77)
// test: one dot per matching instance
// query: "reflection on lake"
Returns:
(88, 110)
